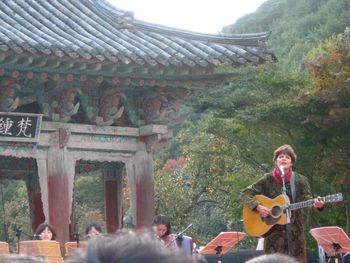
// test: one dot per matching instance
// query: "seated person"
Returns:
(45, 232)
(163, 231)
(93, 230)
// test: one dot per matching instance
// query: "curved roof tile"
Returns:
(96, 30)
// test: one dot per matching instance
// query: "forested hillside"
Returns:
(296, 25)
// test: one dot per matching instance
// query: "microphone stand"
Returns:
(77, 239)
(179, 235)
(288, 215)
(18, 235)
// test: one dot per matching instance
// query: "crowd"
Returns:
(128, 246)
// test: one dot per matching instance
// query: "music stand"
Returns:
(4, 248)
(332, 239)
(50, 251)
(222, 243)
(70, 247)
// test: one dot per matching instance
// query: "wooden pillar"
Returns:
(60, 185)
(144, 189)
(113, 198)
(58, 205)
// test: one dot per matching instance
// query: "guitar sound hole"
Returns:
(276, 211)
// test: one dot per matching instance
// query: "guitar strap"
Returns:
(292, 187)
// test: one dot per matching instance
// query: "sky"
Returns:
(205, 16)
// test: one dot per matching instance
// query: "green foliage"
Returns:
(89, 199)
(184, 197)
(86, 215)
(14, 211)
(328, 110)
(296, 25)
(208, 220)
(84, 193)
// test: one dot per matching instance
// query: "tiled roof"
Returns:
(96, 31)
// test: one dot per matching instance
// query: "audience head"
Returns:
(273, 258)
(14, 258)
(45, 232)
(128, 247)
(162, 225)
(93, 230)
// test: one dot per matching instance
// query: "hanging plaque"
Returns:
(20, 127)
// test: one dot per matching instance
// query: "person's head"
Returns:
(45, 232)
(162, 225)
(15, 258)
(128, 247)
(285, 156)
(93, 230)
(272, 258)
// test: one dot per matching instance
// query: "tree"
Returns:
(15, 213)
(328, 110)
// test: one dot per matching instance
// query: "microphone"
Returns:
(76, 236)
(281, 169)
(18, 231)
(87, 236)
(36, 237)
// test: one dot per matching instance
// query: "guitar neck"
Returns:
(329, 198)
(300, 205)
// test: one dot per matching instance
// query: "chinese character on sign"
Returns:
(5, 126)
(23, 126)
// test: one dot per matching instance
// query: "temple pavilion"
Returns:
(82, 82)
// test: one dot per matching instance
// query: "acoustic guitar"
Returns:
(257, 226)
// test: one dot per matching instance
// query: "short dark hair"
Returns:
(42, 227)
(285, 149)
(163, 220)
(273, 258)
(93, 225)
(127, 246)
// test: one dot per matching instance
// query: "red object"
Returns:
(39, 216)
(277, 175)
(332, 239)
(112, 200)
(222, 243)
(58, 206)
